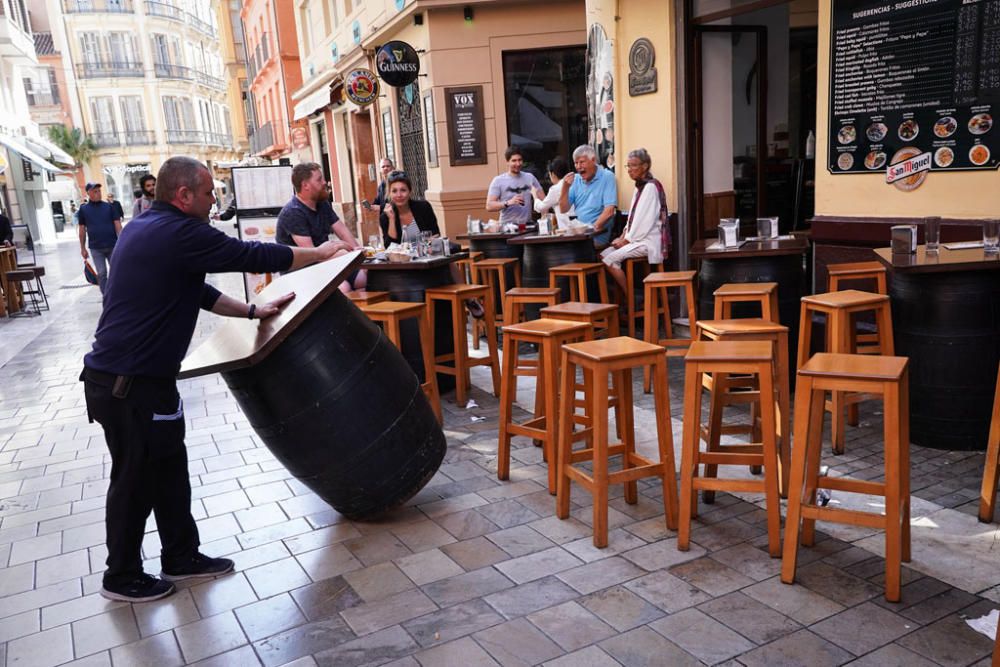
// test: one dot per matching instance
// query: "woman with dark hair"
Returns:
(558, 168)
(402, 219)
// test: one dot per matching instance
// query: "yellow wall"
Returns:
(955, 195)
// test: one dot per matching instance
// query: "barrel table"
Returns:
(408, 281)
(774, 261)
(946, 319)
(542, 252)
(329, 395)
(494, 245)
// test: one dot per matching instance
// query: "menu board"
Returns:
(466, 133)
(914, 76)
(256, 229)
(262, 187)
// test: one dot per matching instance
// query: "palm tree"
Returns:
(79, 147)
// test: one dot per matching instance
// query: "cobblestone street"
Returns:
(472, 571)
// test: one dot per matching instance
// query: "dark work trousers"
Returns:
(145, 435)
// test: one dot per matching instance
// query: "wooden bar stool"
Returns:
(882, 375)
(854, 271)
(766, 294)
(362, 297)
(577, 274)
(629, 266)
(549, 336)
(722, 358)
(29, 304)
(991, 467)
(603, 317)
(390, 314)
(657, 304)
(752, 329)
(516, 298)
(839, 307)
(493, 273)
(457, 295)
(465, 266)
(600, 359)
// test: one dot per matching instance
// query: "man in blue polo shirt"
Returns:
(307, 219)
(593, 191)
(150, 311)
(99, 228)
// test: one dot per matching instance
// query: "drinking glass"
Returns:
(932, 233)
(991, 235)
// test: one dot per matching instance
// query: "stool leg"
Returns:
(805, 336)
(508, 393)
(814, 456)
(837, 328)
(430, 376)
(665, 440)
(649, 325)
(893, 498)
(772, 306)
(626, 431)
(567, 397)
(491, 344)
(886, 343)
(991, 466)
(720, 385)
(784, 414)
(765, 377)
(461, 354)
(904, 460)
(689, 455)
(630, 298)
(796, 489)
(599, 420)
(541, 388)
(718, 314)
(548, 376)
(602, 286)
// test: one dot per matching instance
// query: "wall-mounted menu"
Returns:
(466, 128)
(914, 76)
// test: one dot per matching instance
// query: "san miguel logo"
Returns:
(908, 168)
(361, 86)
(397, 63)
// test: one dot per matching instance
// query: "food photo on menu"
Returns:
(876, 132)
(945, 127)
(908, 129)
(979, 155)
(875, 160)
(980, 124)
(944, 157)
(847, 134)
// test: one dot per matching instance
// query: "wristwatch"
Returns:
(506, 204)
(252, 312)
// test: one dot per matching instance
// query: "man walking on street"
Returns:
(148, 185)
(99, 229)
(150, 313)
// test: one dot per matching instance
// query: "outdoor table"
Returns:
(543, 251)
(408, 281)
(11, 297)
(328, 393)
(946, 319)
(494, 245)
(772, 261)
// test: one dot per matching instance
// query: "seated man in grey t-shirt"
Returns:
(511, 192)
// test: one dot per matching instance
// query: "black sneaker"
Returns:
(199, 565)
(144, 588)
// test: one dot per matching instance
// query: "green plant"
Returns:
(79, 146)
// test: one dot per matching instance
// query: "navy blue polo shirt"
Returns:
(298, 219)
(99, 219)
(158, 284)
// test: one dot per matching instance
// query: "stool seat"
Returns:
(578, 266)
(855, 269)
(21, 274)
(613, 349)
(401, 308)
(534, 291)
(469, 291)
(855, 366)
(745, 289)
(577, 274)
(366, 297)
(516, 298)
(546, 327)
(747, 326)
(580, 309)
(669, 277)
(497, 261)
(845, 299)
(727, 350)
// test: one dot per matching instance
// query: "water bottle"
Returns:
(468, 224)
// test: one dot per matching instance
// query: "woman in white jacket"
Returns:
(647, 233)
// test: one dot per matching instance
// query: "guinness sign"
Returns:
(397, 64)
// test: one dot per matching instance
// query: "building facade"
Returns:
(232, 45)
(150, 79)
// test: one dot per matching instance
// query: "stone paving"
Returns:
(472, 571)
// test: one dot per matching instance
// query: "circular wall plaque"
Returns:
(361, 86)
(397, 63)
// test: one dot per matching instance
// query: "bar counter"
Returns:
(946, 319)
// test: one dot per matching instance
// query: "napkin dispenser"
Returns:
(904, 239)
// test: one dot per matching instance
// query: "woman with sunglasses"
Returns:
(403, 219)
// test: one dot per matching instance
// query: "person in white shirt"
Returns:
(557, 168)
(647, 233)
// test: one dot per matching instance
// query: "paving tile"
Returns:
(667, 591)
(466, 524)
(34, 548)
(621, 608)
(61, 568)
(269, 617)
(427, 566)
(702, 636)
(537, 565)
(104, 631)
(423, 535)
(562, 531)
(893, 655)
(243, 656)
(950, 641)
(571, 626)
(711, 576)
(210, 636)
(474, 553)
(277, 577)
(526, 598)
(749, 561)
(222, 594)
(864, 628)
(938, 606)
(328, 562)
(49, 647)
(326, 598)
(321, 537)
(19, 625)
(798, 648)
(724, 534)
(452, 622)
(378, 548)
(794, 601)
(460, 653)
(664, 553)
(591, 656)
(378, 581)
(644, 648)
(373, 616)
(836, 584)
(303, 640)
(508, 513)
(17, 579)
(601, 574)
(374, 649)
(755, 621)
(519, 541)
(440, 508)
(478, 583)
(161, 615)
(161, 650)
(75, 609)
(517, 643)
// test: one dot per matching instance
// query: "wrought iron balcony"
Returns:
(185, 136)
(262, 138)
(171, 71)
(98, 6)
(164, 10)
(109, 69)
(49, 99)
(124, 139)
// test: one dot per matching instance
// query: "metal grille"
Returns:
(411, 137)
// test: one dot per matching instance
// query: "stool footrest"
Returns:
(851, 485)
(729, 485)
(732, 458)
(636, 473)
(836, 515)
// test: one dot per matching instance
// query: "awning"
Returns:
(46, 148)
(28, 154)
(311, 103)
